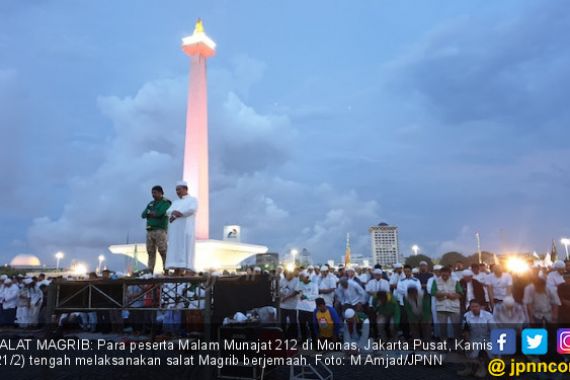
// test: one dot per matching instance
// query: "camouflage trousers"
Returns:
(156, 240)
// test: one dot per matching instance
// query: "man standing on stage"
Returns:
(156, 226)
(181, 235)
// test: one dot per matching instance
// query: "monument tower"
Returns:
(218, 254)
(199, 47)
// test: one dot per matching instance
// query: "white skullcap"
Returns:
(377, 271)
(350, 269)
(304, 273)
(182, 183)
(437, 267)
(509, 301)
(398, 266)
(3, 277)
(310, 267)
(559, 264)
(8, 280)
(423, 262)
(415, 270)
(324, 268)
(349, 313)
(467, 273)
(27, 281)
(257, 269)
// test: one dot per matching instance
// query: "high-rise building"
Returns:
(385, 244)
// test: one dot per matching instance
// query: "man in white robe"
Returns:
(181, 232)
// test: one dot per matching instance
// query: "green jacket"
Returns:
(160, 220)
(390, 309)
(425, 315)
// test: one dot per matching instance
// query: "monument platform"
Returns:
(210, 254)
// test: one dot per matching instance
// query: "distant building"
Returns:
(25, 262)
(360, 260)
(305, 258)
(385, 244)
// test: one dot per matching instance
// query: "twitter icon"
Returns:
(534, 341)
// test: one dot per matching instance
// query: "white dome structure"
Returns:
(25, 261)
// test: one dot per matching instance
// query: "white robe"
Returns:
(181, 234)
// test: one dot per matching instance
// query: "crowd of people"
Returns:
(356, 304)
(22, 299)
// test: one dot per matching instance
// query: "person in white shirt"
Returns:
(396, 276)
(555, 278)
(356, 332)
(480, 274)
(288, 304)
(312, 274)
(408, 281)
(349, 294)
(2, 279)
(430, 281)
(500, 285)
(376, 284)
(478, 324)
(509, 314)
(327, 285)
(364, 275)
(541, 302)
(308, 292)
(9, 302)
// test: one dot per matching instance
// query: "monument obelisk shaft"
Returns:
(195, 171)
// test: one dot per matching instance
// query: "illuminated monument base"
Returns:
(210, 254)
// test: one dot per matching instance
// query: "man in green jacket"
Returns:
(156, 226)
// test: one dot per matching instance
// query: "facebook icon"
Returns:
(504, 341)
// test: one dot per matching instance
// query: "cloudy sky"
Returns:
(442, 117)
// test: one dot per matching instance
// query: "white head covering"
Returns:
(415, 270)
(423, 263)
(27, 281)
(559, 264)
(398, 266)
(182, 183)
(467, 273)
(3, 277)
(240, 317)
(349, 313)
(324, 268)
(257, 269)
(304, 273)
(8, 281)
(437, 267)
(377, 271)
(310, 267)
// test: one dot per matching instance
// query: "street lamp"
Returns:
(101, 259)
(566, 243)
(58, 256)
(415, 248)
